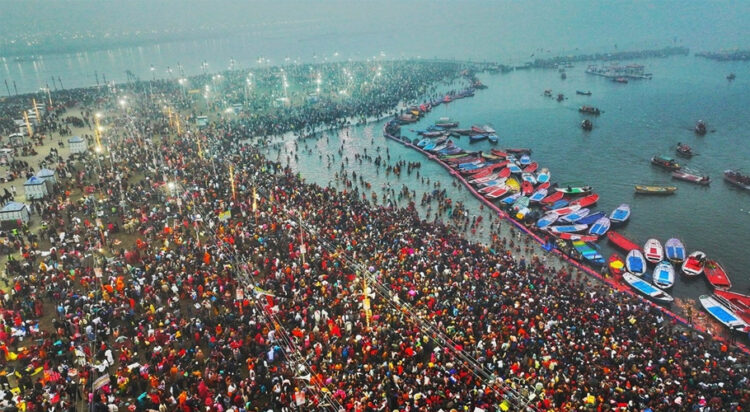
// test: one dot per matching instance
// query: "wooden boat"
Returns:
(499, 153)
(738, 302)
(493, 138)
(620, 215)
(574, 189)
(674, 250)
(621, 241)
(492, 185)
(591, 218)
(653, 251)
(446, 123)
(478, 137)
(537, 196)
(491, 167)
(514, 168)
(552, 198)
(423, 142)
(738, 179)
(546, 220)
(575, 215)
(513, 184)
(528, 177)
(665, 162)
(700, 128)
(582, 93)
(518, 151)
(531, 168)
(600, 227)
(525, 160)
(543, 175)
(723, 313)
(589, 251)
(684, 150)
(586, 200)
(587, 125)
(497, 192)
(647, 289)
(504, 172)
(694, 264)
(663, 275)
(520, 203)
(655, 190)
(616, 265)
(635, 262)
(559, 204)
(565, 210)
(589, 110)
(577, 236)
(716, 275)
(691, 176)
(508, 200)
(527, 187)
(566, 228)
(462, 132)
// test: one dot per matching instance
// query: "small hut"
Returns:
(35, 188)
(14, 213)
(78, 145)
(49, 176)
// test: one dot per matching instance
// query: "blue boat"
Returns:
(663, 275)
(514, 168)
(589, 251)
(538, 195)
(674, 250)
(430, 146)
(635, 262)
(645, 288)
(478, 137)
(600, 227)
(543, 176)
(576, 215)
(511, 199)
(591, 218)
(546, 220)
(492, 138)
(471, 166)
(525, 160)
(723, 312)
(620, 215)
(423, 142)
(559, 204)
(567, 228)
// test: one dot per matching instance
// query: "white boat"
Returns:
(723, 313)
(653, 251)
(543, 175)
(646, 288)
(663, 275)
(635, 262)
(693, 265)
(578, 214)
(546, 220)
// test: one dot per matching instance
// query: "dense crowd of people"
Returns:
(200, 275)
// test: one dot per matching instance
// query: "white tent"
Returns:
(35, 188)
(77, 144)
(13, 212)
(47, 175)
(6, 156)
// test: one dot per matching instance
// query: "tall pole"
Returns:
(6, 86)
(15, 88)
(61, 83)
(36, 110)
(28, 125)
(96, 131)
(49, 95)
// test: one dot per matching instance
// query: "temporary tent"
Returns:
(12, 213)
(35, 188)
(77, 144)
(6, 156)
(49, 178)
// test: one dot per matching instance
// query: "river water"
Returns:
(640, 119)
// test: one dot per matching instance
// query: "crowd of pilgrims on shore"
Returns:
(262, 309)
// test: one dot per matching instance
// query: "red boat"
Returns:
(490, 168)
(616, 265)
(504, 173)
(527, 188)
(499, 153)
(554, 197)
(586, 201)
(576, 236)
(544, 185)
(531, 167)
(740, 303)
(621, 241)
(519, 151)
(716, 275)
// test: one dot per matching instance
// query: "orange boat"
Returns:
(621, 241)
